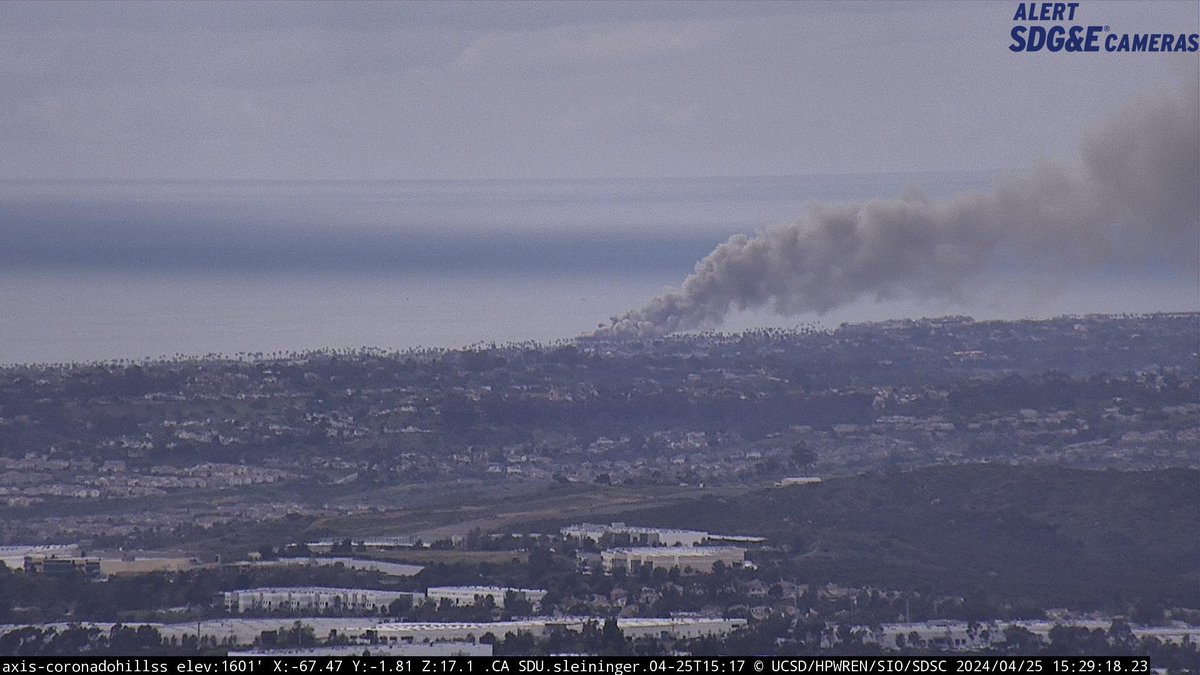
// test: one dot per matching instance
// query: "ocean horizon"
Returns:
(98, 271)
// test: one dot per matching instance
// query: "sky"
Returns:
(199, 176)
(445, 90)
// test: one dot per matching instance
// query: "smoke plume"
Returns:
(1131, 196)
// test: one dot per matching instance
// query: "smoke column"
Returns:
(1131, 197)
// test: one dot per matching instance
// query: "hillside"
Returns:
(1021, 535)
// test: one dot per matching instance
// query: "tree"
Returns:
(612, 639)
(1019, 640)
(802, 456)
(517, 604)
(1121, 637)
(400, 605)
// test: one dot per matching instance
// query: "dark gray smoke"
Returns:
(1132, 196)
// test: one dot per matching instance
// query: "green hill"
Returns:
(1042, 536)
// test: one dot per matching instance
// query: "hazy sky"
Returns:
(532, 90)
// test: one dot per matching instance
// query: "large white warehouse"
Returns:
(638, 536)
(694, 559)
(312, 599)
(463, 596)
(691, 627)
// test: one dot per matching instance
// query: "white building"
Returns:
(675, 629)
(373, 633)
(638, 536)
(694, 559)
(389, 649)
(13, 557)
(798, 480)
(584, 531)
(666, 628)
(425, 638)
(652, 536)
(376, 544)
(721, 539)
(312, 599)
(462, 596)
(386, 568)
(955, 635)
(662, 536)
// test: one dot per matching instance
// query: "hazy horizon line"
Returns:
(264, 355)
(67, 180)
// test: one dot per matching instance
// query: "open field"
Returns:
(506, 509)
